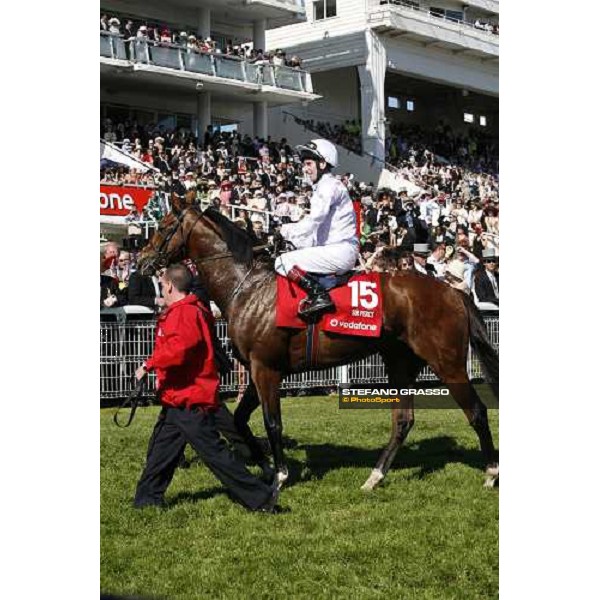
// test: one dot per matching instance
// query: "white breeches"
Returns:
(334, 258)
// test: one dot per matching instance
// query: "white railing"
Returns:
(296, 5)
(179, 58)
(124, 344)
(401, 5)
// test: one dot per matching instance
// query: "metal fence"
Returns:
(124, 345)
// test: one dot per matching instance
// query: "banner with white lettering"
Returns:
(118, 200)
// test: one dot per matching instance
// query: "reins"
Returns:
(132, 401)
(255, 250)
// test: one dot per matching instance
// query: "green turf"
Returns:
(431, 531)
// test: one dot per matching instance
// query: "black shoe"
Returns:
(319, 304)
(318, 300)
(270, 506)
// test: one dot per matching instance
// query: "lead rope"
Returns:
(132, 400)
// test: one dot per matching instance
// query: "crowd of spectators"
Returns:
(347, 135)
(474, 149)
(450, 228)
(406, 144)
(164, 35)
(487, 26)
(438, 12)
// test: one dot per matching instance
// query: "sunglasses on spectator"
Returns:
(489, 262)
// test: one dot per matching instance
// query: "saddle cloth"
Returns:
(358, 302)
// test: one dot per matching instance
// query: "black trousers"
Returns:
(174, 429)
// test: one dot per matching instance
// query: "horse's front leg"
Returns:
(267, 384)
(248, 404)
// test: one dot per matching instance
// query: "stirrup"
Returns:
(312, 306)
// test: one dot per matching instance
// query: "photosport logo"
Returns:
(382, 396)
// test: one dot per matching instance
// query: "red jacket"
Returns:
(184, 357)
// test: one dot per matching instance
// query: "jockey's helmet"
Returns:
(319, 150)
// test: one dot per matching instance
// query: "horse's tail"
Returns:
(480, 342)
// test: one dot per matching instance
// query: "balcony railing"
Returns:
(179, 58)
(412, 6)
(296, 5)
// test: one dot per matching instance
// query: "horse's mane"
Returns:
(239, 241)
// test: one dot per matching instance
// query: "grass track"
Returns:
(430, 532)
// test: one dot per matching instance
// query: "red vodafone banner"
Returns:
(118, 200)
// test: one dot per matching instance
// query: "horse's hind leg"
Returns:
(403, 366)
(476, 412)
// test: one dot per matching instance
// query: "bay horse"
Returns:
(425, 321)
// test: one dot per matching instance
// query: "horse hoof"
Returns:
(374, 478)
(281, 478)
(492, 477)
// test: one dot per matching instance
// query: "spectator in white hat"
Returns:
(454, 274)
(258, 201)
(282, 208)
(114, 26)
(213, 191)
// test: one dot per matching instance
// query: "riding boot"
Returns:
(318, 300)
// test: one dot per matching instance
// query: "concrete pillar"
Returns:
(203, 23)
(258, 34)
(372, 97)
(260, 119)
(203, 114)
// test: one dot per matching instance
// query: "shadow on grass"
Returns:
(193, 497)
(429, 456)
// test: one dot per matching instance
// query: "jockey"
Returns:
(325, 239)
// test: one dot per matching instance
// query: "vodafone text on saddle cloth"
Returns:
(364, 316)
(352, 325)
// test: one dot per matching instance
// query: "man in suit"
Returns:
(421, 253)
(144, 290)
(487, 280)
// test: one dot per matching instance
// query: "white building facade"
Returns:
(179, 88)
(383, 61)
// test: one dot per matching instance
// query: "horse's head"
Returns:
(168, 244)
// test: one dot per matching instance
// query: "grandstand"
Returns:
(215, 96)
(167, 84)
(394, 64)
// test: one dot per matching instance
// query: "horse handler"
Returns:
(187, 385)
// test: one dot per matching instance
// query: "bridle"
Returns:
(163, 257)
